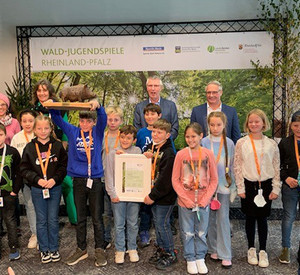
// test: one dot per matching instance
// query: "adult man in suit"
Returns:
(213, 96)
(168, 107)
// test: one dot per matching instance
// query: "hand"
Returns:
(94, 105)
(148, 155)
(47, 101)
(13, 194)
(50, 183)
(291, 182)
(42, 182)
(115, 200)
(120, 152)
(148, 201)
(242, 196)
(273, 196)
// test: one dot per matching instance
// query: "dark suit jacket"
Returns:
(168, 111)
(199, 114)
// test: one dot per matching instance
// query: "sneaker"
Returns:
(106, 245)
(55, 256)
(285, 257)
(154, 259)
(227, 264)
(144, 238)
(45, 257)
(32, 243)
(167, 259)
(192, 267)
(100, 257)
(119, 257)
(133, 256)
(252, 257)
(201, 266)
(77, 256)
(263, 259)
(14, 256)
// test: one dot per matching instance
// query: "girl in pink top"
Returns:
(195, 183)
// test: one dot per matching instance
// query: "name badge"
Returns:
(46, 193)
(89, 183)
(1, 202)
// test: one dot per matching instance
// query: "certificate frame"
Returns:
(132, 177)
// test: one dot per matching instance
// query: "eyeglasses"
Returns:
(212, 93)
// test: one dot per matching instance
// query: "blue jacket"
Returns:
(168, 111)
(199, 114)
(77, 161)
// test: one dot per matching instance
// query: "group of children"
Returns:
(204, 177)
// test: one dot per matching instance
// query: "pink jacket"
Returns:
(183, 176)
(11, 130)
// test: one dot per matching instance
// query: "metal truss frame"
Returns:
(24, 33)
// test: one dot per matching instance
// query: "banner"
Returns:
(215, 51)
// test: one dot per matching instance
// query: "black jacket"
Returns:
(57, 168)
(288, 160)
(11, 179)
(162, 192)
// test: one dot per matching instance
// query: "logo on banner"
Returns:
(210, 48)
(177, 49)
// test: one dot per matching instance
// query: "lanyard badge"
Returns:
(87, 149)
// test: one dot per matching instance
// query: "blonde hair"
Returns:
(263, 117)
(45, 118)
(162, 124)
(114, 110)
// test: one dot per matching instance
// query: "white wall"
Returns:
(61, 12)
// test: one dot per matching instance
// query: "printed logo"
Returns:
(210, 48)
(177, 49)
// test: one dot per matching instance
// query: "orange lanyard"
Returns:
(106, 142)
(26, 137)
(199, 167)
(87, 149)
(154, 164)
(256, 158)
(297, 152)
(220, 149)
(44, 168)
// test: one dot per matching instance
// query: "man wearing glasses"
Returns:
(168, 107)
(213, 96)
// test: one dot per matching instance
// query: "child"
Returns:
(289, 173)
(19, 141)
(256, 169)
(10, 185)
(43, 165)
(111, 141)
(85, 166)
(162, 194)
(125, 213)
(195, 183)
(218, 237)
(152, 113)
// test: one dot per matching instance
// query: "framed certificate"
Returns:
(132, 177)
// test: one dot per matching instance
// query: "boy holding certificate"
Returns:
(162, 194)
(85, 166)
(125, 213)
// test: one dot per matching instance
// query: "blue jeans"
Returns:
(95, 196)
(163, 232)
(126, 214)
(30, 212)
(193, 232)
(218, 236)
(107, 215)
(290, 199)
(46, 210)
